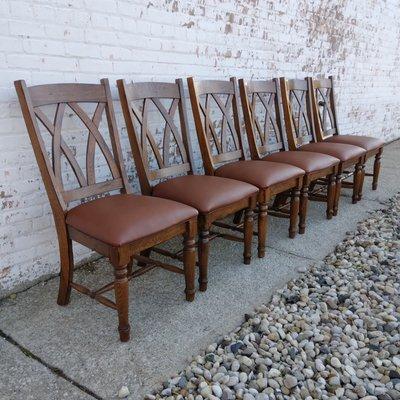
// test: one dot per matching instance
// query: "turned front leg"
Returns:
(189, 259)
(330, 201)
(262, 228)
(377, 168)
(248, 235)
(337, 193)
(294, 211)
(303, 208)
(357, 182)
(121, 289)
(204, 248)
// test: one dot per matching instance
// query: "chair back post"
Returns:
(183, 118)
(205, 150)
(115, 139)
(236, 113)
(279, 116)
(289, 125)
(333, 105)
(141, 165)
(315, 111)
(248, 121)
(310, 113)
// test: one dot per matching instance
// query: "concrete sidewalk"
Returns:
(81, 340)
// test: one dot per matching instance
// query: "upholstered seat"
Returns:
(124, 218)
(259, 173)
(205, 193)
(365, 142)
(308, 161)
(344, 152)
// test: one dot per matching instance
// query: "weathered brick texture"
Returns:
(45, 41)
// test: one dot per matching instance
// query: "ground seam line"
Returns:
(294, 254)
(56, 371)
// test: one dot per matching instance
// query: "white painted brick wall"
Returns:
(45, 41)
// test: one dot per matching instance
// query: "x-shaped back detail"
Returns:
(269, 120)
(170, 127)
(59, 146)
(300, 117)
(226, 122)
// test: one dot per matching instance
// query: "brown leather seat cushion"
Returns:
(343, 152)
(205, 193)
(366, 142)
(308, 161)
(123, 218)
(259, 173)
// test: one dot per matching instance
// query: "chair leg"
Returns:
(303, 208)
(294, 211)
(360, 189)
(203, 248)
(357, 182)
(330, 201)
(121, 289)
(337, 193)
(262, 228)
(189, 260)
(377, 168)
(66, 271)
(248, 235)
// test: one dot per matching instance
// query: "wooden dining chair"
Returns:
(261, 104)
(165, 166)
(300, 130)
(327, 129)
(215, 106)
(118, 226)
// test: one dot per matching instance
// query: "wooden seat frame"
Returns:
(152, 93)
(272, 139)
(62, 95)
(290, 92)
(324, 106)
(212, 89)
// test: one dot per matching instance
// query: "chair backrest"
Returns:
(216, 115)
(261, 104)
(297, 109)
(151, 107)
(73, 97)
(324, 107)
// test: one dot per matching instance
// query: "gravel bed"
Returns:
(333, 333)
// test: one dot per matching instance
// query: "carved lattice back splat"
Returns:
(175, 143)
(296, 100)
(70, 96)
(223, 143)
(324, 107)
(261, 104)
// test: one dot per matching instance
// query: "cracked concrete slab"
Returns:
(24, 378)
(81, 339)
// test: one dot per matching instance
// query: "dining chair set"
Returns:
(294, 154)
